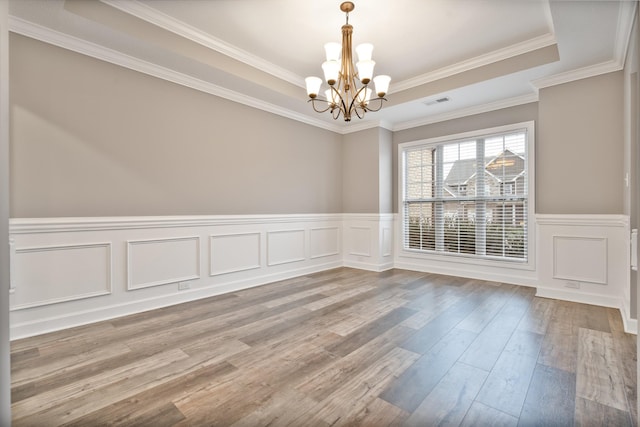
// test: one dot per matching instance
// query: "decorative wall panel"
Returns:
(231, 253)
(324, 242)
(582, 259)
(162, 261)
(53, 274)
(360, 241)
(285, 246)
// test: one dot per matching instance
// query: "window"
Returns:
(468, 196)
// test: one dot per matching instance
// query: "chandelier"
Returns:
(343, 96)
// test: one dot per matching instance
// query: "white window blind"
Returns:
(468, 197)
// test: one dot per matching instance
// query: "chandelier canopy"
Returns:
(343, 96)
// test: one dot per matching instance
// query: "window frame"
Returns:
(529, 263)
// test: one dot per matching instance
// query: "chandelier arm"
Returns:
(313, 104)
(339, 95)
(341, 105)
(379, 99)
(358, 92)
(361, 109)
(335, 113)
(356, 105)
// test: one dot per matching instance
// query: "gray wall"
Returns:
(367, 167)
(580, 147)
(385, 168)
(361, 183)
(94, 139)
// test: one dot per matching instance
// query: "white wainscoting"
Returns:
(72, 271)
(368, 241)
(585, 258)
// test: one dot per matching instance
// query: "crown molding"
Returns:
(368, 124)
(469, 111)
(169, 23)
(479, 61)
(65, 41)
(360, 126)
(578, 74)
(626, 15)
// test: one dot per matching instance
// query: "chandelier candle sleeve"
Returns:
(331, 71)
(382, 84)
(364, 51)
(365, 70)
(313, 86)
(332, 50)
(345, 96)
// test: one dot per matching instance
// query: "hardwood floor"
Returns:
(342, 347)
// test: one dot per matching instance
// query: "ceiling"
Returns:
(480, 54)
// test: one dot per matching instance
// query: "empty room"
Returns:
(319, 213)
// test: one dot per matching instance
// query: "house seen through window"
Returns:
(467, 197)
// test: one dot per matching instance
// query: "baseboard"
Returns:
(630, 325)
(369, 266)
(511, 277)
(581, 297)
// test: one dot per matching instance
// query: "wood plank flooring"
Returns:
(341, 347)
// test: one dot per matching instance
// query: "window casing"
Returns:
(469, 195)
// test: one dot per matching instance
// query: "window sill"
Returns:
(467, 260)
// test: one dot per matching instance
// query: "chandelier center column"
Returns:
(347, 62)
